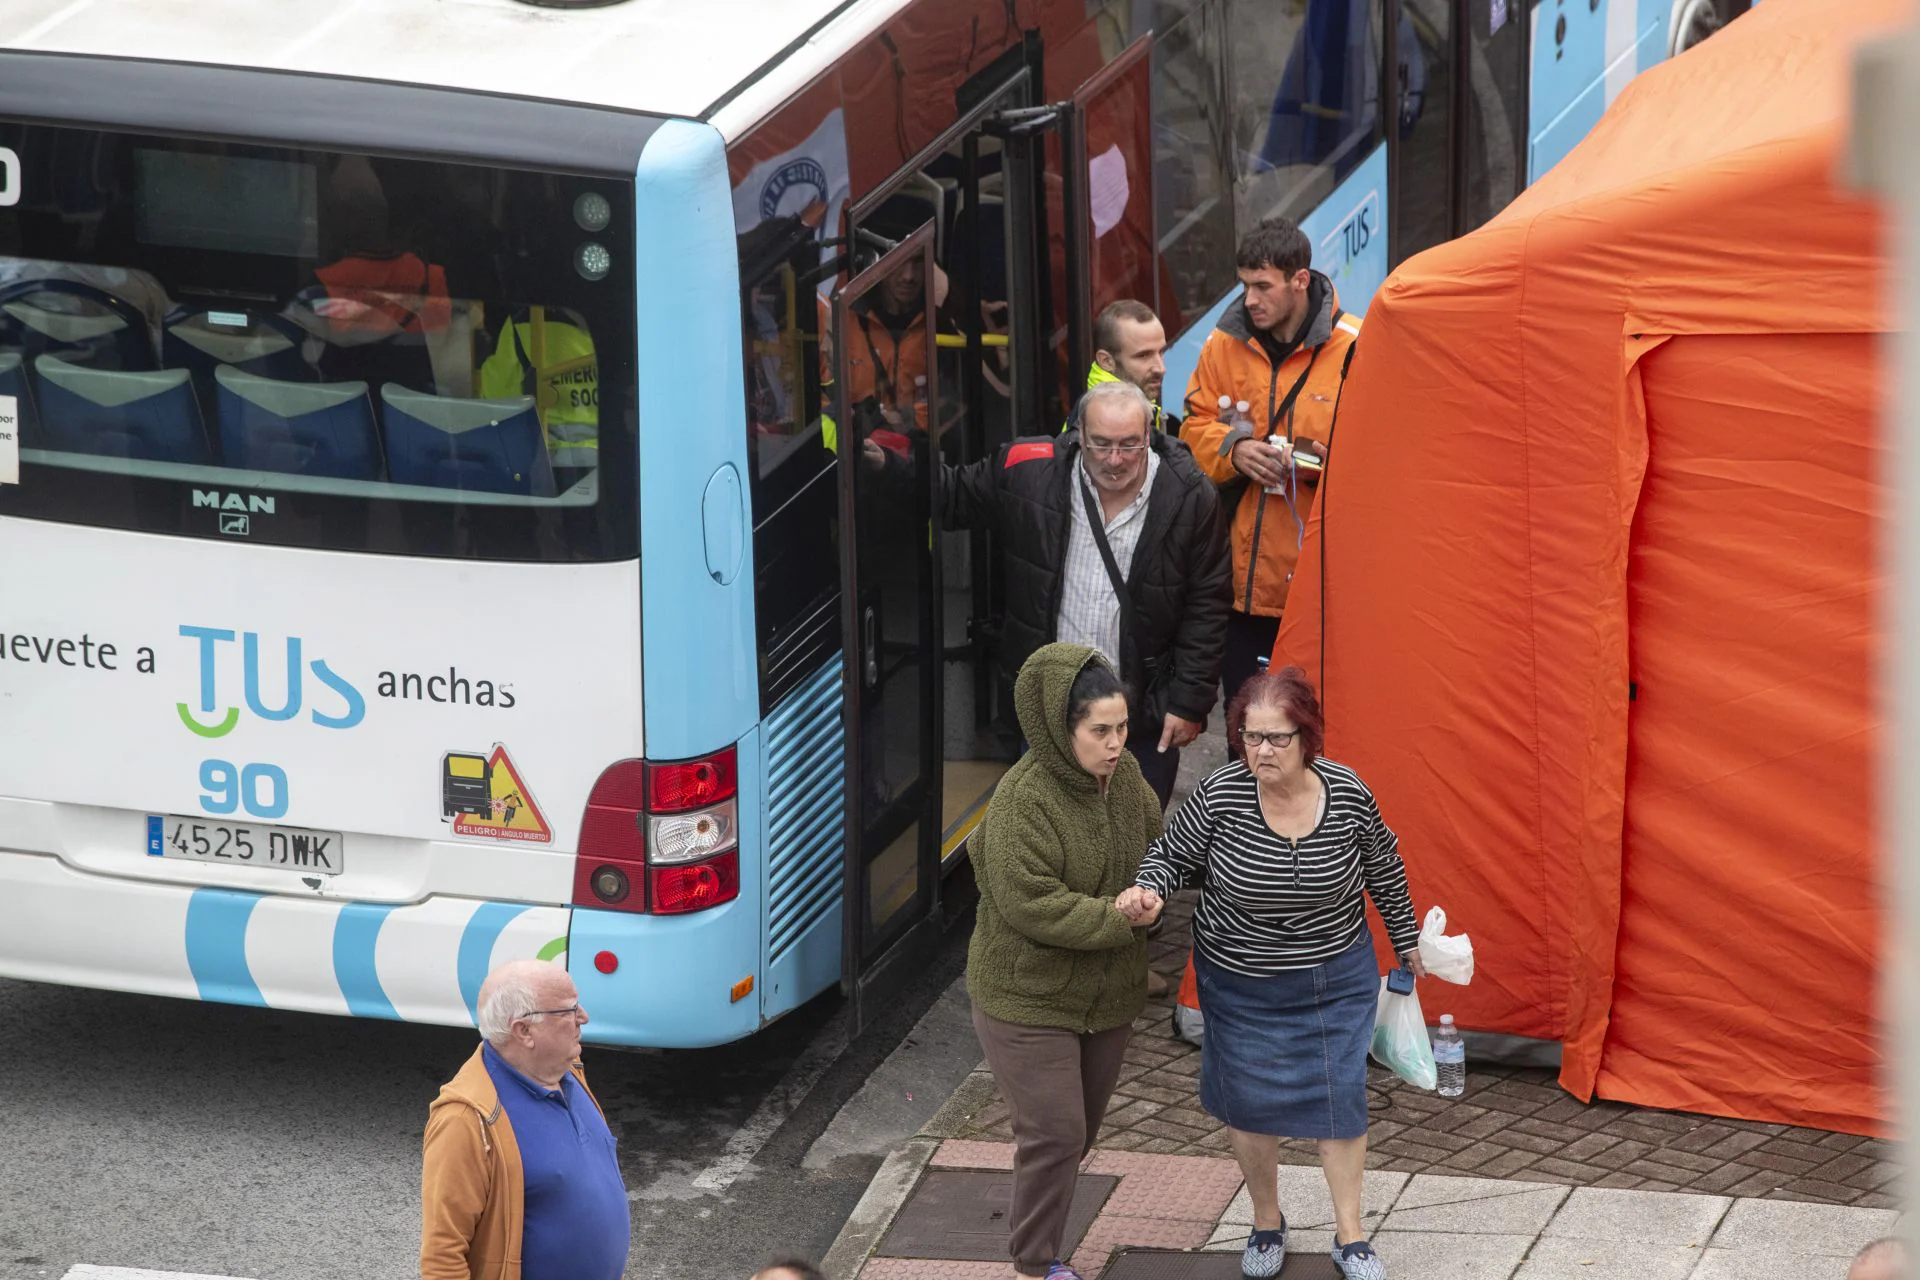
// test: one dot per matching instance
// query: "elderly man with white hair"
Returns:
(519, 1177)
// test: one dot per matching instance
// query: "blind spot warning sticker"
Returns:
(483, 796)
(9, 440)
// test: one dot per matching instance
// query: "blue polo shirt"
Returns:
(577, 1223)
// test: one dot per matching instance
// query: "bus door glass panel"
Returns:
(1493, 120)
(1304, 99)
(1421, 186)
(1114, 142)
(791, 450)
(885, 381)
(1192, 186)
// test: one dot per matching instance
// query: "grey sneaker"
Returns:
(1358, 1261)
(1264, 1255)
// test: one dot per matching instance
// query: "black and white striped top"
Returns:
(1266, 903)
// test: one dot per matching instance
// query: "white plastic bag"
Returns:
(1448, 958)
(1400, 1041)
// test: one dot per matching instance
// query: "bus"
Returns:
(426, 537)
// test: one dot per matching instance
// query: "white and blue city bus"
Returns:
(424, 532)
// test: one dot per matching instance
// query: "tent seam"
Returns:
(1533, 620)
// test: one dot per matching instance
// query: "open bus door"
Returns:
(887, 439)
(965, 234)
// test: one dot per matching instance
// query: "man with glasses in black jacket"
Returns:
(1112, 538)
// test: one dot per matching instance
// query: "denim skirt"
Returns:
(1286, 1055)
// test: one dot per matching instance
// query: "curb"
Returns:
(897, 1177)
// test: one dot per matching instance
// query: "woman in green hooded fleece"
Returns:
(1056, 971)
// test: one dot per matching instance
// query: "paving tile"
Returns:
(1621, 1181)
(1744, 1264)
(1523, 1213)
(1154, 1193)
(1561, 1134)
(1699, 1138)
(1308, 1205)
(1427, 1189)
(1646, 1217)
(1723, 1178)
(1735, 1145)
(1111, 1230)
(1684, 1161)
(1785, 1226)
(932, 1269)
(1556, 1169)
(1817, 1189)
(1435, 1255)
(1558, 1259)
(959, 1153)
(1506, 1166)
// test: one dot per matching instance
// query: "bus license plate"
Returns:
(245, 845)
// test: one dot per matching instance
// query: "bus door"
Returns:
(1457, 140)
(885, 387)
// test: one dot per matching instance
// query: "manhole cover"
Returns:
(962, 1214)
(1169, 1264)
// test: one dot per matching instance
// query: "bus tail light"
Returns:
(610, 869)
(689, 837)
(695, 886)
(681, 785)
(661, 837)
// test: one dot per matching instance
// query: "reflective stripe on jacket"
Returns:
(1161, 420)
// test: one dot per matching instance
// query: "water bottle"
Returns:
(1449, 1059)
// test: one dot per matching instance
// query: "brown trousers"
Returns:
(1057, 1084)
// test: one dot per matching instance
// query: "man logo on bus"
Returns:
(9, 177)
(352, 709)
(255, 503)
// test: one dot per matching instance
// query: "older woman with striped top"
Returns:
(1289, 845)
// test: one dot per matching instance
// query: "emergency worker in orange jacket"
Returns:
(1282, 348)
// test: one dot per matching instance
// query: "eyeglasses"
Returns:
(1273, 738)
(571, 1011)
(1113, 450)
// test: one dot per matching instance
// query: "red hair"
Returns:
(1288, 690)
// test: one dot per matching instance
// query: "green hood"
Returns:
(1041, 693)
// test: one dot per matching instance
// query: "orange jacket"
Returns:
(472, 1191)
(1267, 527)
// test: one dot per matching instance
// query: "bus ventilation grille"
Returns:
(806, 774)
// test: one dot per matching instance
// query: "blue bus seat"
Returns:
(493, 446)
(77, 322)
(148, 414)
(302, 428)
(201, 339)
(14, 382)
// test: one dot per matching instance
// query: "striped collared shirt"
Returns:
(1089, 609)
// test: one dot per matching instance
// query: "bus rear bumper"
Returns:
(412, 962)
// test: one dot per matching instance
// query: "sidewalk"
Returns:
(1435, 1226)
(1516, 1180)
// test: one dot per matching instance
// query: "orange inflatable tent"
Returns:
(1592, 590)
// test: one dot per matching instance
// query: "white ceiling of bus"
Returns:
(674, 57)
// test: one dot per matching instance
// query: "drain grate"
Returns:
(1170, 1264)
(961, 1214)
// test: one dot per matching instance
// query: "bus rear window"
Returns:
(319, 349)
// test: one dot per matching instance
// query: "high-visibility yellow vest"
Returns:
(566, 390)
